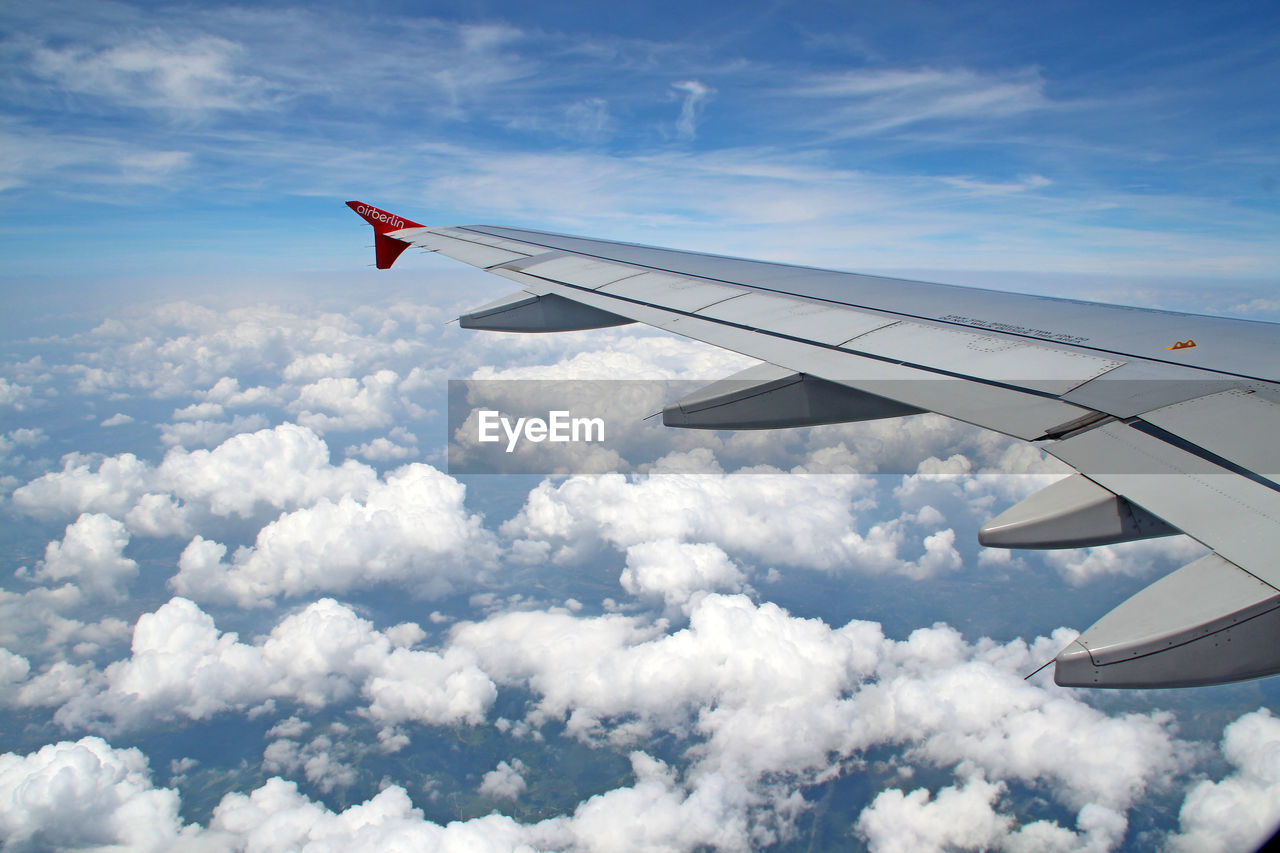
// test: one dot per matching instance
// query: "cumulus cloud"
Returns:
(506, 781)
(168, 350)
(227, 393)
(13, 670)
(321, 761)
(12, 394)
(345, 403)
(764, 524)
(412, 528)
(742, 672)
(84, 794)
(676, 570)
(205, 433)
(958, 818)
(88, 794)
(38, 622)
(1240, 811)
(182, 667)
(283, 467)
(276, 817)
(91, 553)
(399, 444)
(111, 488)
(1131, 559)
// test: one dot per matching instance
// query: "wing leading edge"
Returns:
(1167, 417)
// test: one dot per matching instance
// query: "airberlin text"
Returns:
(558, 427)
(380, 215)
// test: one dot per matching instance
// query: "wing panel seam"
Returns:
(783, 336)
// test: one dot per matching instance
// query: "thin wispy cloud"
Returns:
(696, 95)
(157, 72)
(874, 101)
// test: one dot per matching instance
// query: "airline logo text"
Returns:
(372, 213)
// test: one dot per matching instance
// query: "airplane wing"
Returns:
(1170, 419)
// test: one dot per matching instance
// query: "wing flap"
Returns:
(678, 292)
(1233, 514)
(817, 321)
(1239, 425)
(575, 270)
(1000, 359)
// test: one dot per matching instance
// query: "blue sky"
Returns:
(243, 601)
(1073, 137)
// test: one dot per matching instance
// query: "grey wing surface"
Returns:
(1168, 418)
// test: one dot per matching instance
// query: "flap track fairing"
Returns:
(530, 312)
(771, 397)
(1209, 622)
(1072, 513)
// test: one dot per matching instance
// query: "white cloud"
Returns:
(320, 761)
(1241, 810)
(111, 488)
(118, 419)
(614, 355)
(14, 669)
(12, 394)
(676, 570)
(156, 71)
(226, 392)
(199, 412)
(875, 100)
(92, 554)
(208, 433)
(506, 781)
(696, 95)
(740, 673)
(657, 813)
(347, 404)
(283, 467)
(958, 818)
(318, 366)
(159, 515)
(412, 528)
(182, 667)
(34, 618)
(276, 818)
(21, 437)
(384, 450)
(580, 513)
(86, 794)
(1131, 559)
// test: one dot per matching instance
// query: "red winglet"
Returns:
(386, 249)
